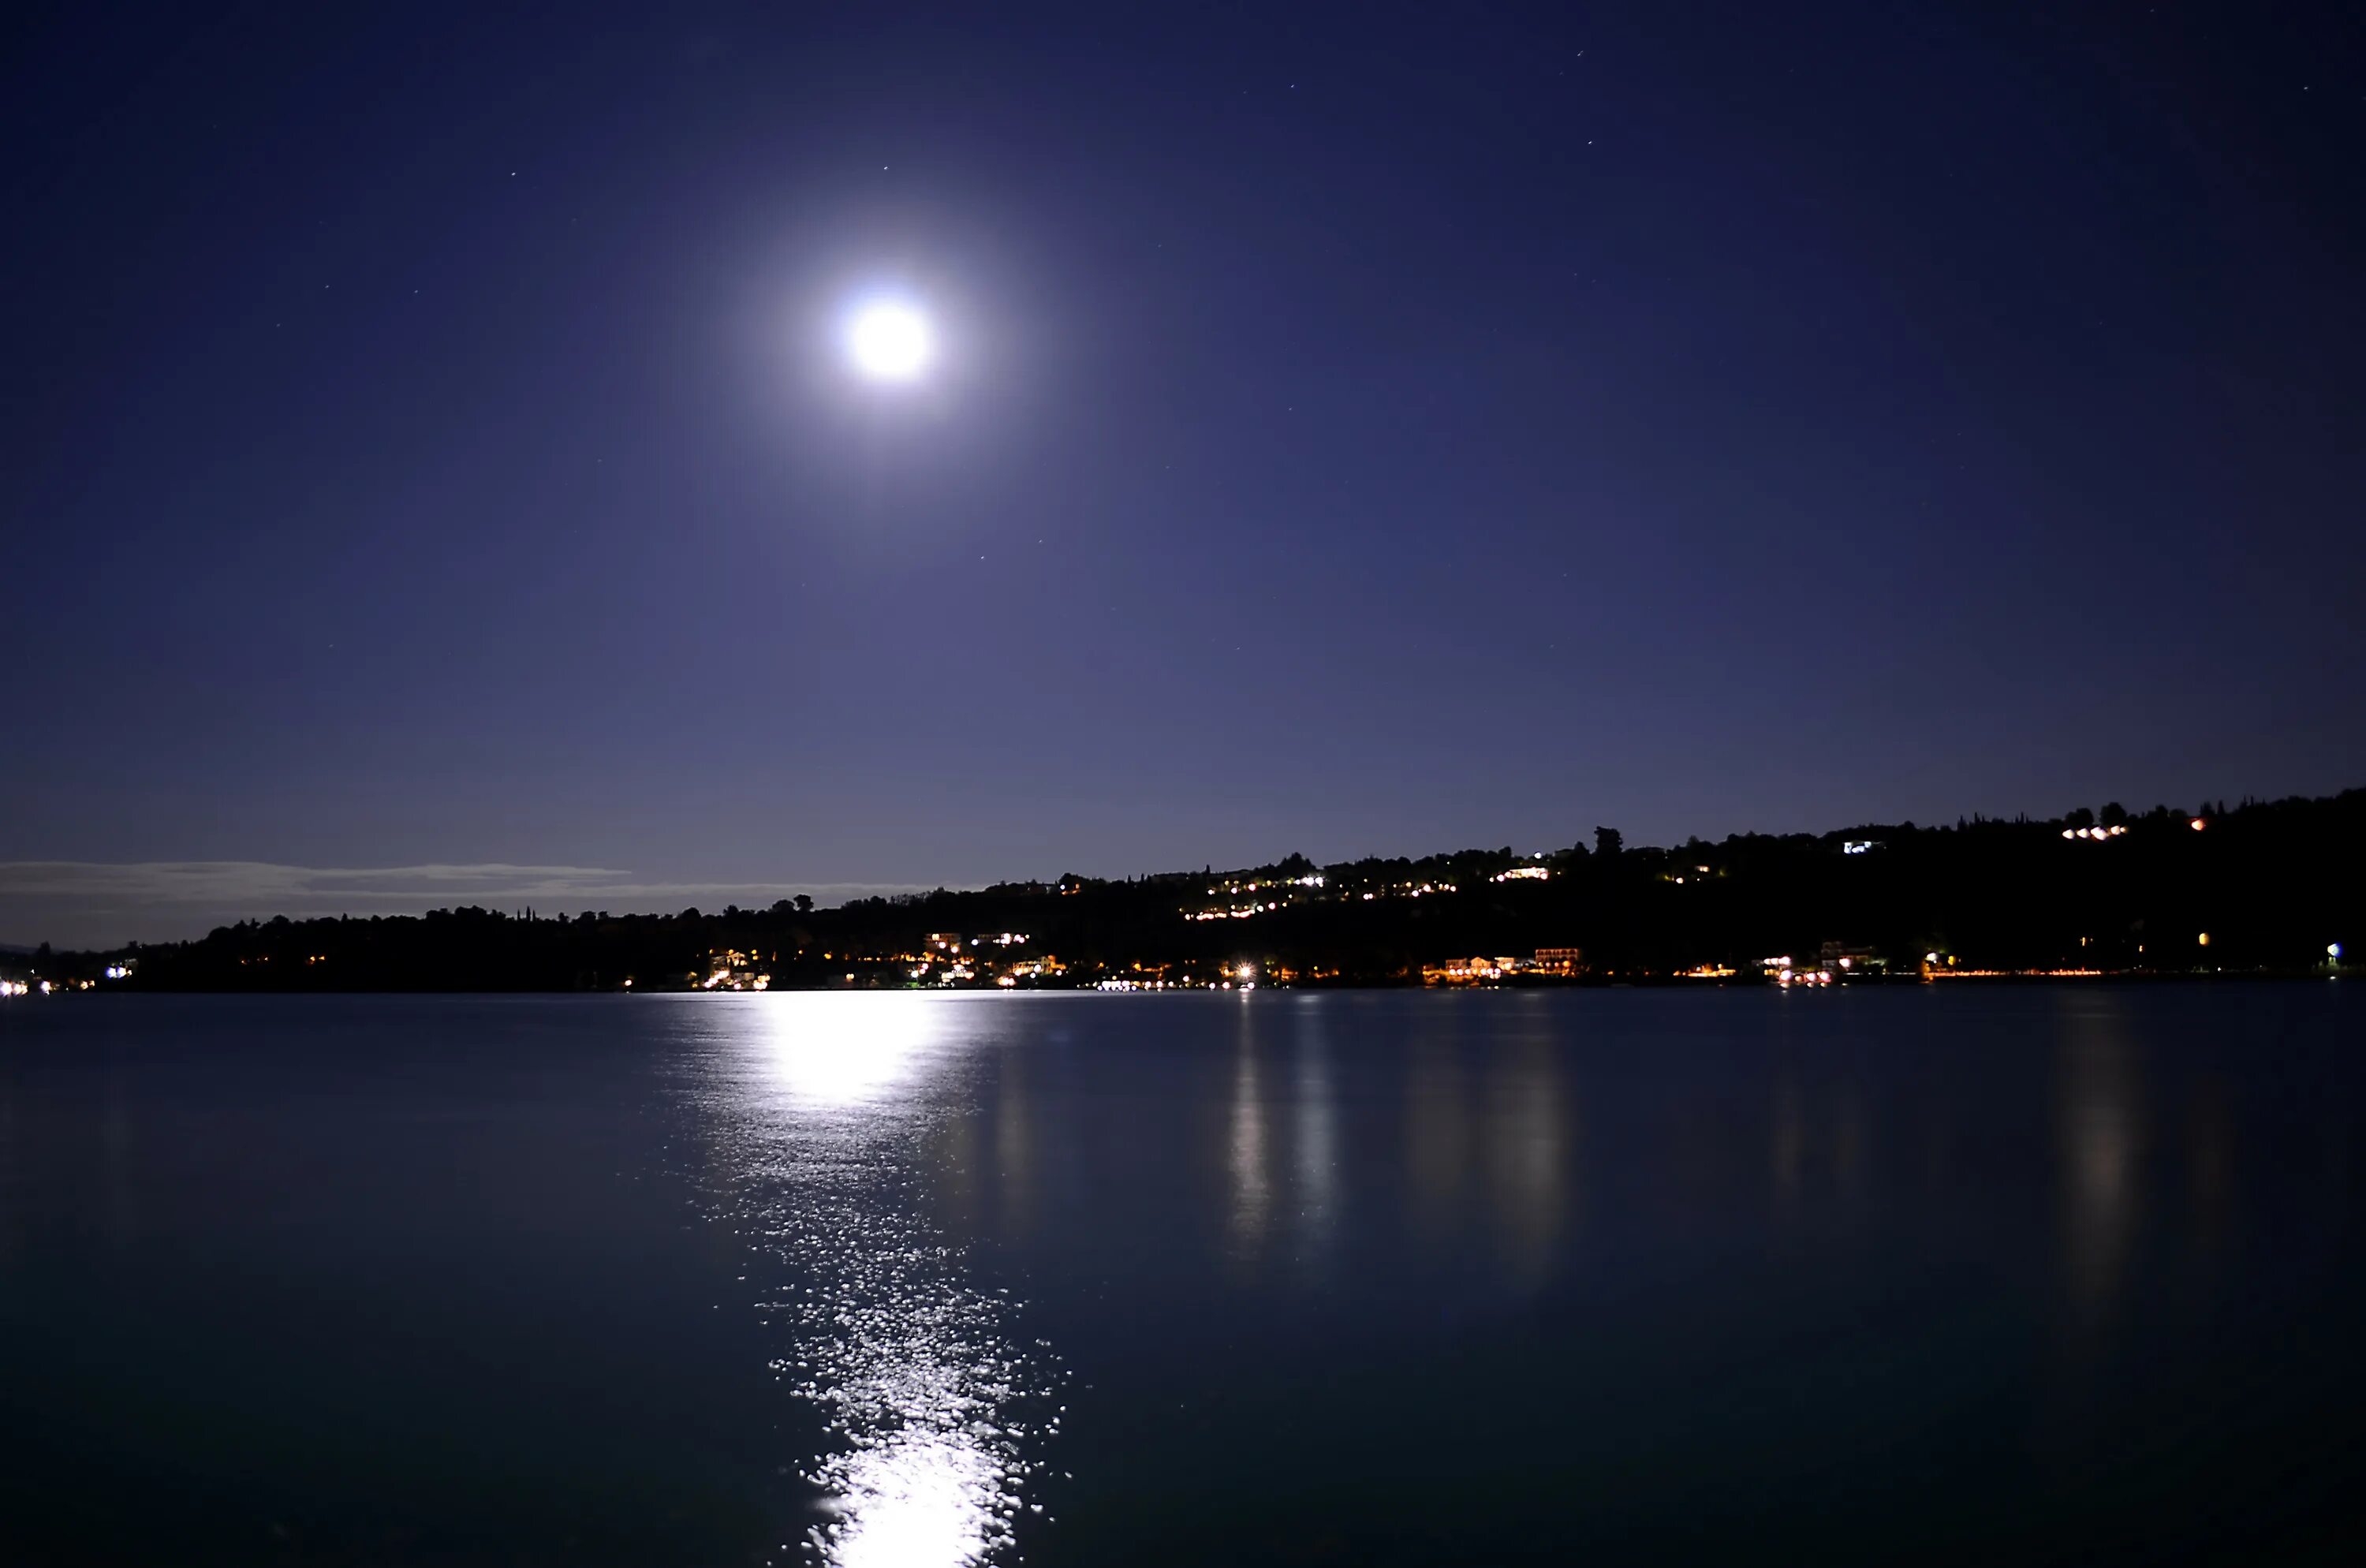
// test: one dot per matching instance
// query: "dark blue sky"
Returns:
(1380, 429)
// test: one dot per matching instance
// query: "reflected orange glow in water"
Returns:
(2099, 1120)
(1437, 1140)
(1528, 1156)
(1245, 1160)
(1787, 1145)
(1316, 1140)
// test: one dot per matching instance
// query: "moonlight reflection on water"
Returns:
(820, 1110)
(1910, 1274)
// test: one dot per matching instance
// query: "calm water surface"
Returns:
(2047, 1274)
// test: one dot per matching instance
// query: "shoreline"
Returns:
(1979, 978)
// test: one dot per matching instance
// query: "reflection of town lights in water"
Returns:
(825, 1109)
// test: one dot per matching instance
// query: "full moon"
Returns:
(889, 341)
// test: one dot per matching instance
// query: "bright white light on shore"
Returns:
(889, 341)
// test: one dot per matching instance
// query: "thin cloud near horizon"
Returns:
(86, 894)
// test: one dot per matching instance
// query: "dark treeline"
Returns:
(2273, 883)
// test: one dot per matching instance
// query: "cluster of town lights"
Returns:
(1252, 886)
(1395, 890)
(1247, 982)
(2100, 834)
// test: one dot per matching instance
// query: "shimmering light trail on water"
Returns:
(1946, 1276)
(819, 1113)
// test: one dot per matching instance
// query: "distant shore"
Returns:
(2262, 889)
(59, 991)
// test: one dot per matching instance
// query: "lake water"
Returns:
(1975, 1275)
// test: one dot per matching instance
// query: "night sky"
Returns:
(431, 471)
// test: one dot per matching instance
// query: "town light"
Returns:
(2197, 824)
